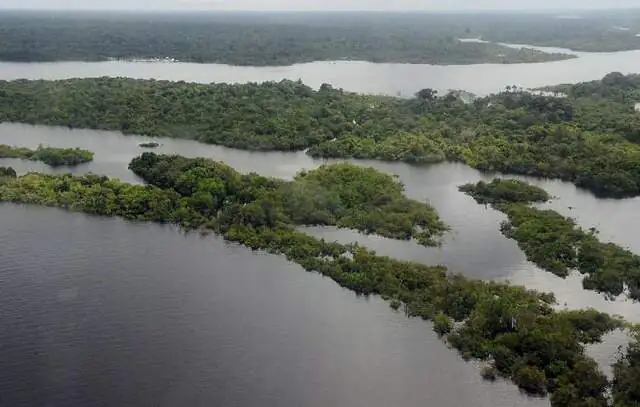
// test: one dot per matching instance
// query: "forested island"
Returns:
(55, 157)
(555, 243)
(590, 137)
(505, 191)
(256, 39)
(516, 331)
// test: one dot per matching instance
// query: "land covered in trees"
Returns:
(556, 243)
(55, 157)
(505, 191)
(589, 138)
(257, 39)
(514, 330)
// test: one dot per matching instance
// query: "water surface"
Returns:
(105, 312)
(101, 312)
(365, 77)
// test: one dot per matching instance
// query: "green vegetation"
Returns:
(54, 157)
(343, 195)
(149, 145)
(7, 174)
(512, 132)
(505, 191)
(558, 245)
(626, 370)
(247, 39)
(515, 330)
(591, 31)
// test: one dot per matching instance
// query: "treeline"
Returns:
(246, 39)
(342, 195)
(514, 330)
(556, 244)
(55, 157)
(511, 132)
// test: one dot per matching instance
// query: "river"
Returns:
(363, 77)
(180, 286)
(102, 312)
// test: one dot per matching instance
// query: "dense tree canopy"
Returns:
(570, 138)
(54, 157)
(556, 244)
(342, 194)
(505, 191)
(626, 370)
(247, 39)
(516, 330)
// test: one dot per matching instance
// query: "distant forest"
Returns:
(259, 39)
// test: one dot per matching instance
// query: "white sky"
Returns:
(391, 5)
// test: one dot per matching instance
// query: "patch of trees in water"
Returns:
(149, 144)
(588, 138)
(515, 330)
(55, 157)
(505, 191)
(557, 244)
(242, 39)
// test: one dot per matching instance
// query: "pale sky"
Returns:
(391, 5)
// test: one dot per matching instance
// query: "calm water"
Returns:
(365, 77)
(99, 312)
(103, 312)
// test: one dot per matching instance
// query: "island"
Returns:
(588, 138)
(555, 243)
(151, 144)
(516, 331)
(55, 157)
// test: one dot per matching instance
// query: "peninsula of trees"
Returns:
(514, 330)
(555, 243)
(589, 138)
(55, 157)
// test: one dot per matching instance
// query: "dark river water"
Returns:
(101, 312)
(365, 77)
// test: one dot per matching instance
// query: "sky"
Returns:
(391, 5)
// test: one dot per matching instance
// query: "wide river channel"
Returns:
(102, 312)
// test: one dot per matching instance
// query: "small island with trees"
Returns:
(149, 144)
(55, 157)
(556, 243)
(505, 191)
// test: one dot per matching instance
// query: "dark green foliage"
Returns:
(556, 244)
(149, 145)
(7, 172)
(505, 191)
(512, 132)
(626, 370)
(442, 324)
(343, 195)
(269, 116)
(248, 39)
(540, 349)
(54, 157)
